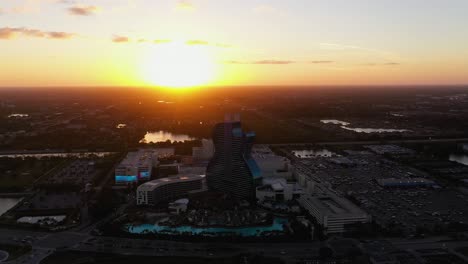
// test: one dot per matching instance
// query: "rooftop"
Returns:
(151, 185)
(333, 206)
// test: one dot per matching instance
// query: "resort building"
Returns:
(166, 189)
(278, 190)
(333, 212)
(232, 170)
(270, 164)
(137, 166)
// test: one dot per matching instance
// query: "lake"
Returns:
(277, 225)
(8, 203)
(163, 136)
(334, 122)
(18, 115)
(322, 153)
(375, 130)
(345, 125)
(462, 159)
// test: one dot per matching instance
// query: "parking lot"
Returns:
(354, 174)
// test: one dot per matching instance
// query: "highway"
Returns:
(44, 244)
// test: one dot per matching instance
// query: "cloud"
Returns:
(11, 33)
(263, 62)
(120, 39)
(274, 62)
(383, 64)
(392, 63)
(83, 10)
(197, 42)
(321, 61)
(185, 5)
(156, 41)
(59, 35)
(207, 43)
(1, 11)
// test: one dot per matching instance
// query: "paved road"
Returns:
(44, 244)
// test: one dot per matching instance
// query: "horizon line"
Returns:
(232, 86)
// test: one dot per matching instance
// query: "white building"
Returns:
(164, 189)
(137, 166)
(333, 212)
(270, 164)
(277, 189)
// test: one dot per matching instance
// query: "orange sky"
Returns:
(186, 43)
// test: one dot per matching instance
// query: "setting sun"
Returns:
(178, 65)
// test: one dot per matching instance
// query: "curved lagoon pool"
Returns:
(242, 231)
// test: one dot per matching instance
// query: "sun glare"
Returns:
(177, 65)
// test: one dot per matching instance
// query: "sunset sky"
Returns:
(241, 42)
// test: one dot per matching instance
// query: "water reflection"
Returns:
(345, 125)
(374, 130)
(163, 136)
(334, 122)
(18, 115)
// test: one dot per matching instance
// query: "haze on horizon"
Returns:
(205, 42)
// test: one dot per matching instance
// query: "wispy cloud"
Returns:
(207, 43)
(262, 62)
(320, 61)
(185, 5)
(156, 41)
(11, 33)
(120, 39)
(383, 64)
(83, 10)
(197, 42)
(191, 42)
